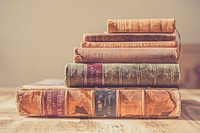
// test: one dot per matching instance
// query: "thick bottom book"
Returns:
(60, 101)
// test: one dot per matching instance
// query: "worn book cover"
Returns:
(60, 101)
(99, 75)
(126, 55)
(141, 25)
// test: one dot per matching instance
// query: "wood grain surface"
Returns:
(10, 121)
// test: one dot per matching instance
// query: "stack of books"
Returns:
(130, 71)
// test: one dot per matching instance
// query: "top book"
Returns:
(141, 26)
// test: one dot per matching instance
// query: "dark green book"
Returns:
(116, 75)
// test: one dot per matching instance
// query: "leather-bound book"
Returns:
(155, 44)
(104, 75)
(141, 25)
(60, 101)
(128, 37)
(126, 55)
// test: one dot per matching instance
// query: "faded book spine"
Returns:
(126, 55)
(103, 75)
(141, 25)
(93, 102)
(128, 37)
(157, 44)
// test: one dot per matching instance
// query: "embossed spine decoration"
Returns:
(166, 75)
(141, 26)
(98, 102)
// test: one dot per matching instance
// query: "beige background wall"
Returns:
(37, 37)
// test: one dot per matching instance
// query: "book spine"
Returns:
(160, 44)
(99, 75)
(128, 37)
(143, 102)
(141, 26)
(125, 55)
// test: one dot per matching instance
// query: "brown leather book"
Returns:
(126, 55)
(141, 25)
(155, 44)
(104, 75)
(128, 37)
(60, 101)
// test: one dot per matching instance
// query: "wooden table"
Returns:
(188, 122)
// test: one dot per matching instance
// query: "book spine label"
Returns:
(163, 44)
(128, 37)
(94, 74)
(104, 102)
(54, 102)
(125, 55)
(123, 75)
(141, 26)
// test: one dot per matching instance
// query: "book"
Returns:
(141, 25)
(128, 37)
(104, 75)
(155, 44)
(60, 101)
(126, 55)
